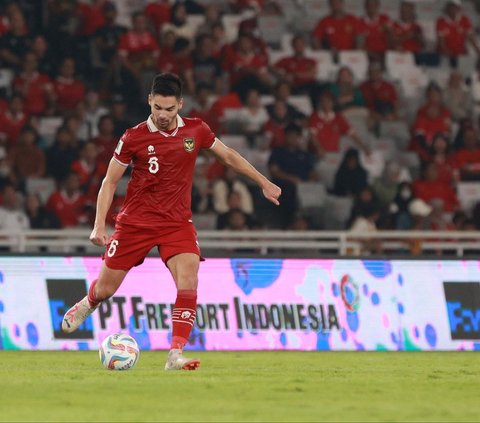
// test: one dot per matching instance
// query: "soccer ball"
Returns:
(119, 352)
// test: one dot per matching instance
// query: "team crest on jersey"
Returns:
(189, 144)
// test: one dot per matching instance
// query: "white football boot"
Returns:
(77, 315)
(176, 361)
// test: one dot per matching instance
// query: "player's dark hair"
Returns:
(167, 85)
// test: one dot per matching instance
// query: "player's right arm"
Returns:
(115, 171)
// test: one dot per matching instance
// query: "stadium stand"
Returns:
(64, 65)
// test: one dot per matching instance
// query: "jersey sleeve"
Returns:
(207, 137)
(123, 153)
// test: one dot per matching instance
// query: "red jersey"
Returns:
(375, 32)
(433, 190)
(454, 34)
(71, 211)
(297, 66)
(376, 91)
(327, 129)
(69, 92)
(133, 43)
(35, 90)
(337, 33)
(11, 126)
(404, 29)
(159, 191)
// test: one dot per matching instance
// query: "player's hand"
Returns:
(272, 192)
(99, 237)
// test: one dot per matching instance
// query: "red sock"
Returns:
(92, 299)
(183, 317)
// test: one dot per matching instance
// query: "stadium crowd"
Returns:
(365, 114)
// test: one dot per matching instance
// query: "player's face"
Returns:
(164, 111)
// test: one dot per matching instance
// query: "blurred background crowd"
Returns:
(366, 113)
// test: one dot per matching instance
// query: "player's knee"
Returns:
(188, 282)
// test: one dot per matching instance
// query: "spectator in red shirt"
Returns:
(90, 17)
(138, 48)
(35, 88)
(274, 129)
(158, 13)
(327, 127)
(248, 68)
(407, 33)
(26, 158)
(300, 71)
(202, 107)
(69, 204)
(467, 157)
(380, 95)
(454, 29)
(106, 140)
(432, 118)
(12, 121)
(336, 31)
(429, 188)
(440, 154)
(68, 90)
(90, 169)
(180, 63)
(375, 29)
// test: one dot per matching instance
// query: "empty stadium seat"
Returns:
(44, 187)
(468, 195)
(397, 62)
(237, 142)
(271, 28)
(47, 128)
(397, 130)
(326, 67)
(357, 61)
(336, 211)
(311, 195)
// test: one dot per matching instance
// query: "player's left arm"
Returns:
(231, 158)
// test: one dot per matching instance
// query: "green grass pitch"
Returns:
(243, 386)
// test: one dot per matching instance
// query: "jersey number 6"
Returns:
(153, 162)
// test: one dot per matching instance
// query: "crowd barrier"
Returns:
(252, 304)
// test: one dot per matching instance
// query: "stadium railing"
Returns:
(275, 242)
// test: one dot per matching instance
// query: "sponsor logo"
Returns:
(118, 149)
(151, 149)
(463, 309)
(189, 144)
(186, 314)
(63, 294)
(350, 295)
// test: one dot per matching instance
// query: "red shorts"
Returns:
(129, 245)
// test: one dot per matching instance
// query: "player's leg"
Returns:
(127, 248)
(184, 269)
(101, 289)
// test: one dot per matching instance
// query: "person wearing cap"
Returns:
(454, 29)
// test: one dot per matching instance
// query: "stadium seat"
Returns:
(44, 187)
(302, 103)
(237, 142)
(205, 221)
(466, 64)
(231, 23)
(336, 210)
(396, 130)
(413, 81)
(6, 77)
(357, 61)
(468, 195)
(271, 28)
(326, 67)
(397, 63)
(387, 146)
(311, 195)
(258, 158)
(326, 168)
(47, 128)
(410, 160)
(374, 163)
(275, 55)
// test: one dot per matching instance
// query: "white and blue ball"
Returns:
(119, 352)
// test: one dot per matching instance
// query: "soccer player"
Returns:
(156, 211)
